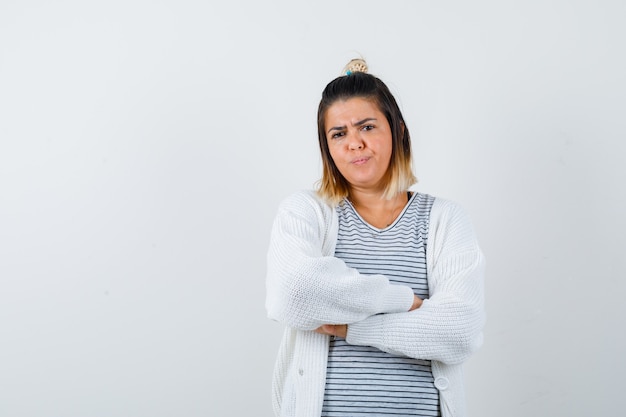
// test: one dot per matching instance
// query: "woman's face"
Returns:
(360, 142)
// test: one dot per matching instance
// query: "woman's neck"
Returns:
(376, 210)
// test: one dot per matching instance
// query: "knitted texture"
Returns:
(308, 287)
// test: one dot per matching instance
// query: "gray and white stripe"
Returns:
(362, 380)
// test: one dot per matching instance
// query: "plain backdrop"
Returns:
(145, 146)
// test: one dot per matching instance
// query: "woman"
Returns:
(380, 288)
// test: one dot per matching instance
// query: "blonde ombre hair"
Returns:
(333, 187)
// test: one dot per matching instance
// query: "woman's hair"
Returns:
(333, 187)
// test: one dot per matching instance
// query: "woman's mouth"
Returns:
(359, 161)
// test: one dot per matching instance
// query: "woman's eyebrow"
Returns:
(359, 123)
(362, 122)
(336, 128)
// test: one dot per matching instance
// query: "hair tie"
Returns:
(355, 65)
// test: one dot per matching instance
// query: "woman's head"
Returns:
(333, 185)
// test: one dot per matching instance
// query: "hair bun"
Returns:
(355, 65)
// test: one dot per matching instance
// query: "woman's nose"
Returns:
(355, 141)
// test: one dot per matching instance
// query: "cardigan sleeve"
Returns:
(306, 288)
(448, 326)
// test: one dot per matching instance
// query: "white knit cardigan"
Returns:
(308, 287)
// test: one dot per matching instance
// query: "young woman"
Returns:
(380, 288)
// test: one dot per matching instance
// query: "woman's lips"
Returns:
(360, 160)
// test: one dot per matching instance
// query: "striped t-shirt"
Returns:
(362, 380)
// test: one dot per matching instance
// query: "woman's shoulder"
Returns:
(306, 207)
(450, 218)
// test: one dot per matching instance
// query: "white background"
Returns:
(145, 145)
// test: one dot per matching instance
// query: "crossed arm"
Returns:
(311, 291)
(341, 330)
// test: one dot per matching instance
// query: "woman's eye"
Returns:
(337, 135)
(368, 127)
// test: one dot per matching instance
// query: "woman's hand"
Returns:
(417, 303)
(338, 330)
